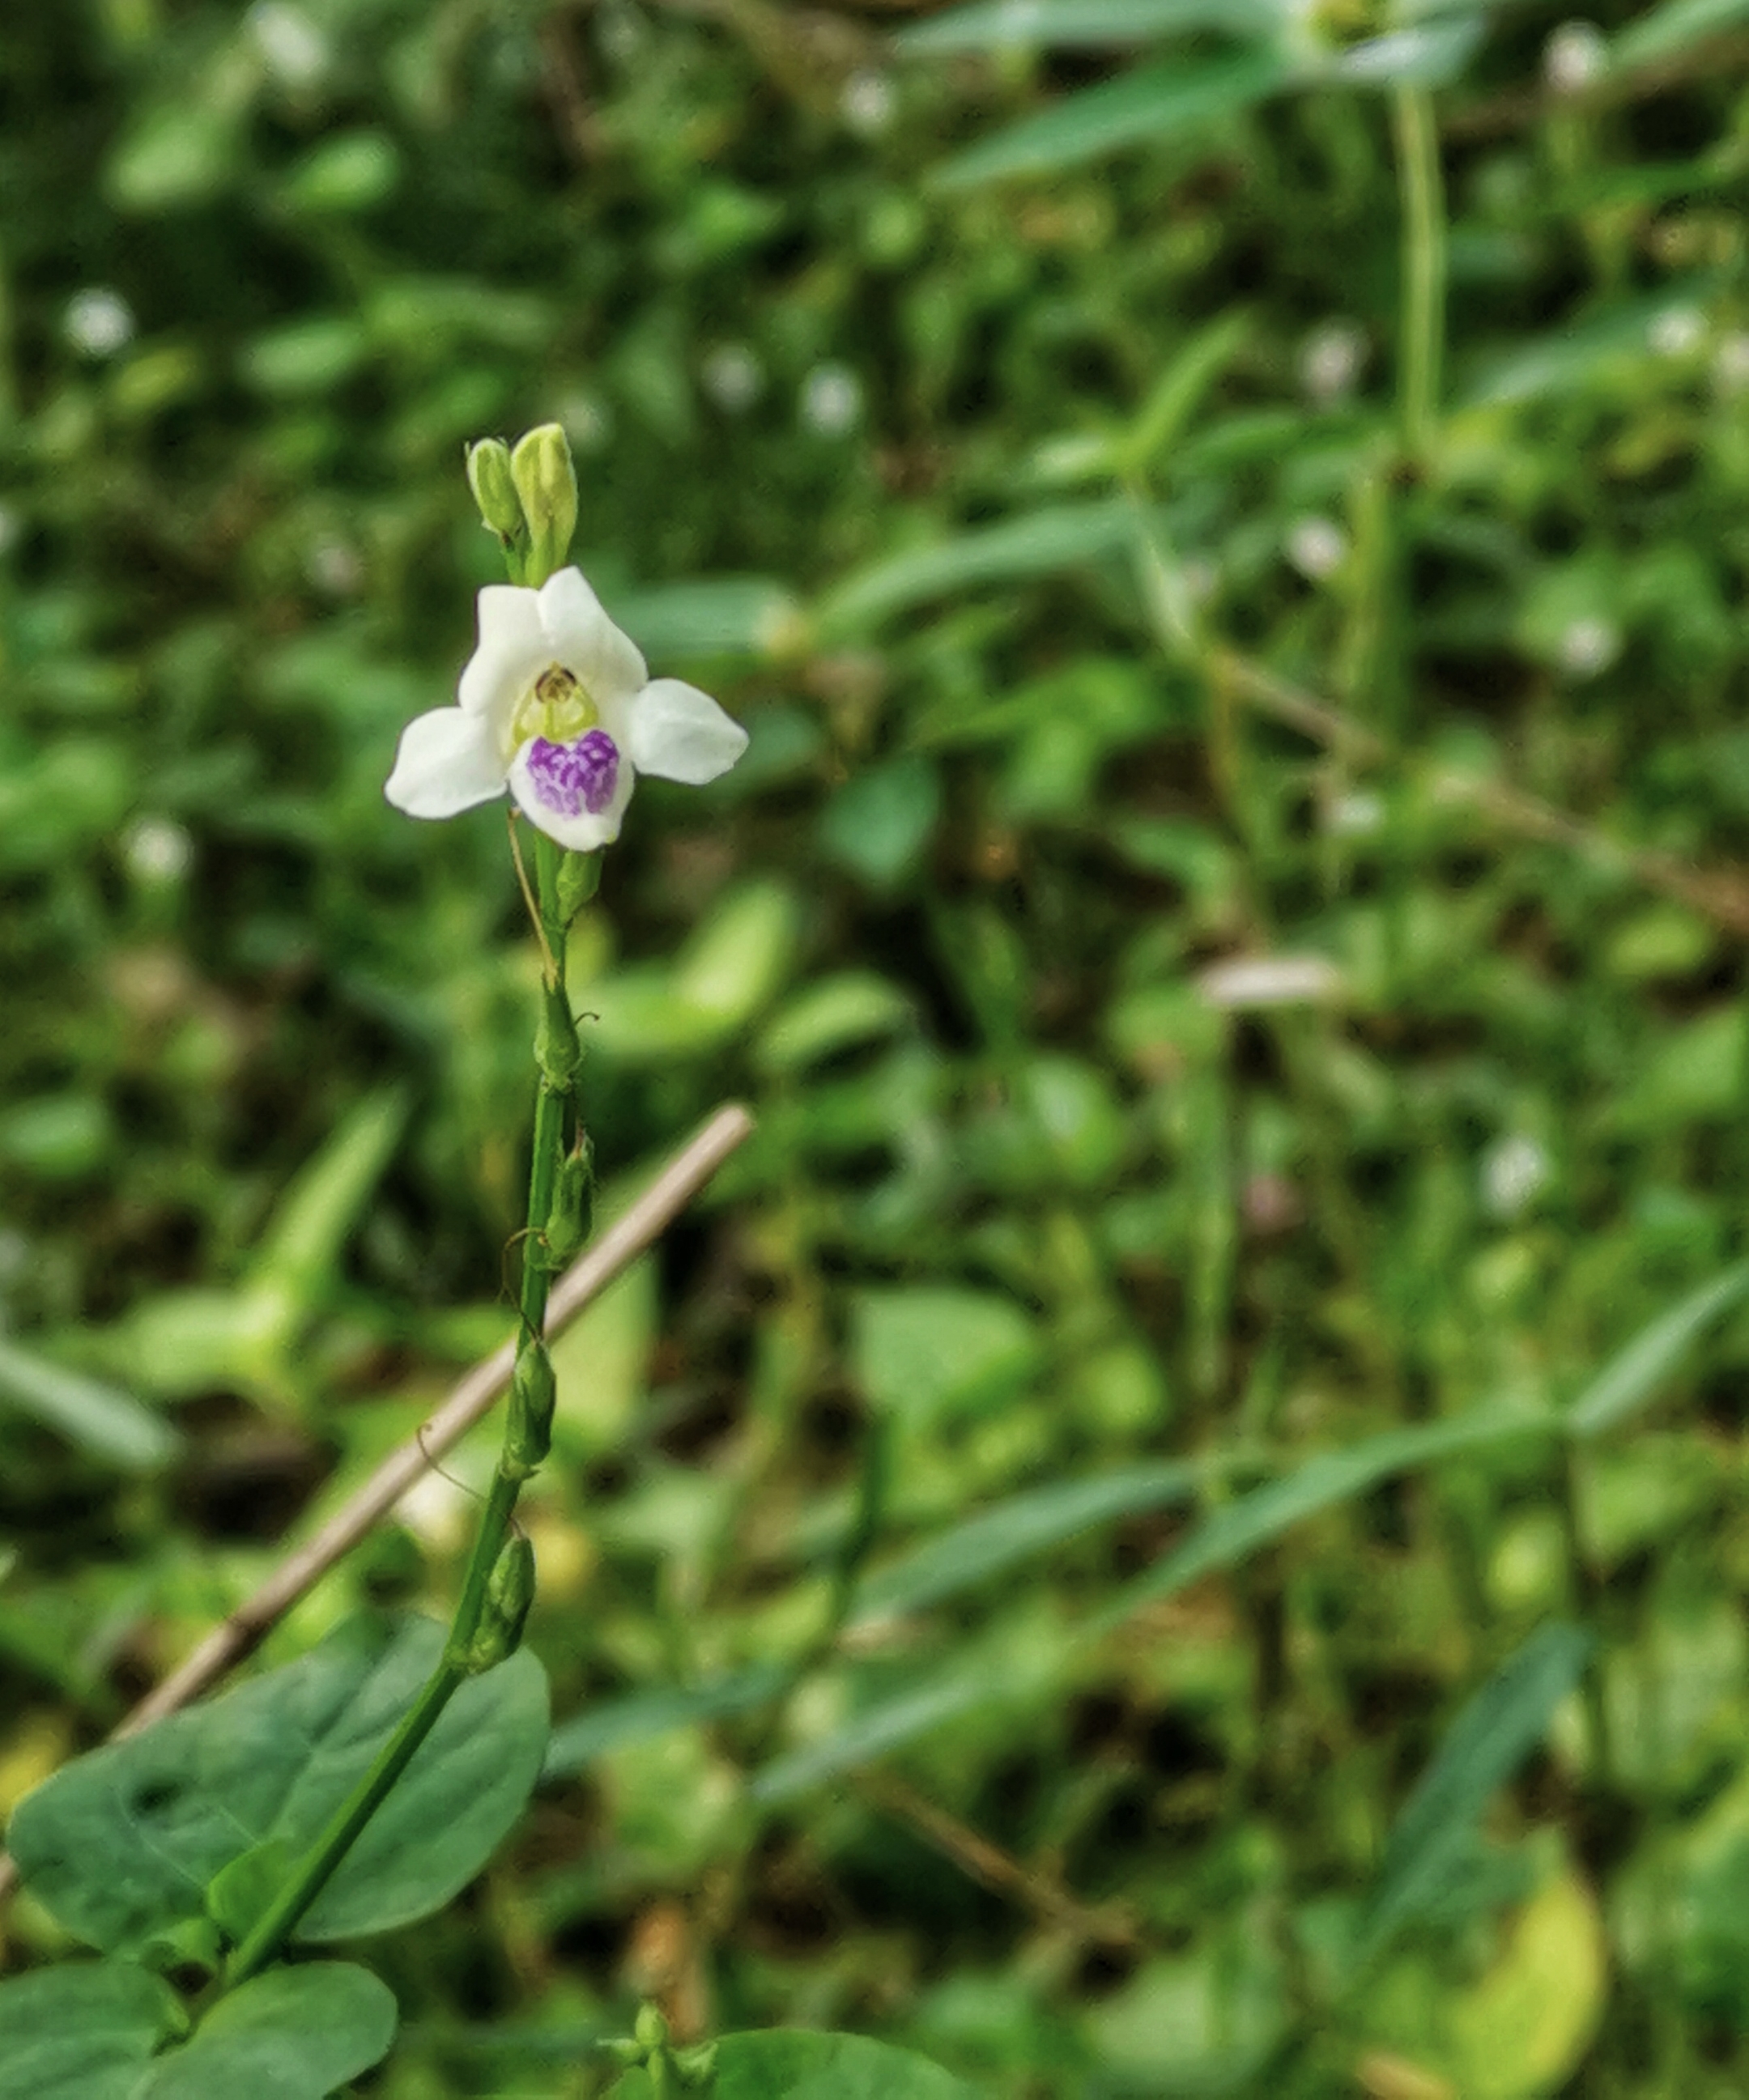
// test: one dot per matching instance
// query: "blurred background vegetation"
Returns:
(1231, 922)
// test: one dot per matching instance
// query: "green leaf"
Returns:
(997, 1540)
(1676, 28)
(786, 2064)
(107, 1423)
(1232, 1534)
(242, 1890)
(292, 2034)
(1149, 103)
(1490, 1738)
(1085, 24)
(1180, 391)
(1430, 55)
(879, 823)
(716, 616)
(122, 1844)
(888, 1725)
(83, 2031)
(318, 1212)
(1036, 544)
(926, 1354)
(1630, 1380)
(840, 1012)
(643, 1717)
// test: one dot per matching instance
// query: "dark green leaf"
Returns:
(1152, 103)
(1492, 1736)
(1232, 1534)
(102, 1420)
(122, 1843)
(996, 1540)
(643, 1716)
(1084, 24)
(83, 2031)
(292, 2034)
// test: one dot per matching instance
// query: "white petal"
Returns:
(446, 762)
(583, 638)
(681, 734)
(583, 832)
(512, 650)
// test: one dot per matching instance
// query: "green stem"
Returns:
(313, 1872)
(1420, 184)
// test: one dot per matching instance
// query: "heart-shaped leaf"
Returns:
(85, 2032)
(122, 1844)
(292, 2034)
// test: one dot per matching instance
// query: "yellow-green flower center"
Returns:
(555, 707)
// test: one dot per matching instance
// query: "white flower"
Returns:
(556, 705)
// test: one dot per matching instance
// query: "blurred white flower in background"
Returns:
(1589, 646)
(1353, 815)
(1317, 547)
(832, 401)
(1678, 331)
(334, 567)
(733, 377)
(1575, 54)
(156, 850)
(99, 322)
(1730, 363)
(868, 102)
(1332, 359)
(1514, 1171)
(295, 49)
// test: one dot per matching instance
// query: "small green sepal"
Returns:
(579, 879)
(557, 1050)
(568, 1223)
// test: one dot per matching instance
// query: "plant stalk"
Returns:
(1421, 183)
(553, 1112)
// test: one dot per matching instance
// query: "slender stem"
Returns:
(313, 1872)
(1421, 183)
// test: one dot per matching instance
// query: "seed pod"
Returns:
(557, 1050)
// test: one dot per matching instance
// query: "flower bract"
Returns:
(556, 705)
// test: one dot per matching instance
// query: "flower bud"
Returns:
(568, 1222)
(579, 879)
(509, 1593)
(546, 481)
(528, 1435)
(489, 476)
(557, 1050)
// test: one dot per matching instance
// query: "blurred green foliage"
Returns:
(1052, 536)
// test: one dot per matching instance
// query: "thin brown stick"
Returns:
(993, 1867)
(685, 1174)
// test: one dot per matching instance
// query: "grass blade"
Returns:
(106, 1422)
(1485, 1745)
(998, 26)
(1630, 1380)
(1150, 103)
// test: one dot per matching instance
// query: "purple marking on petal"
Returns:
(571, 778)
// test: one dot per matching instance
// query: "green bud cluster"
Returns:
(528, 496)
(509, 1595)
(671, 2070)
